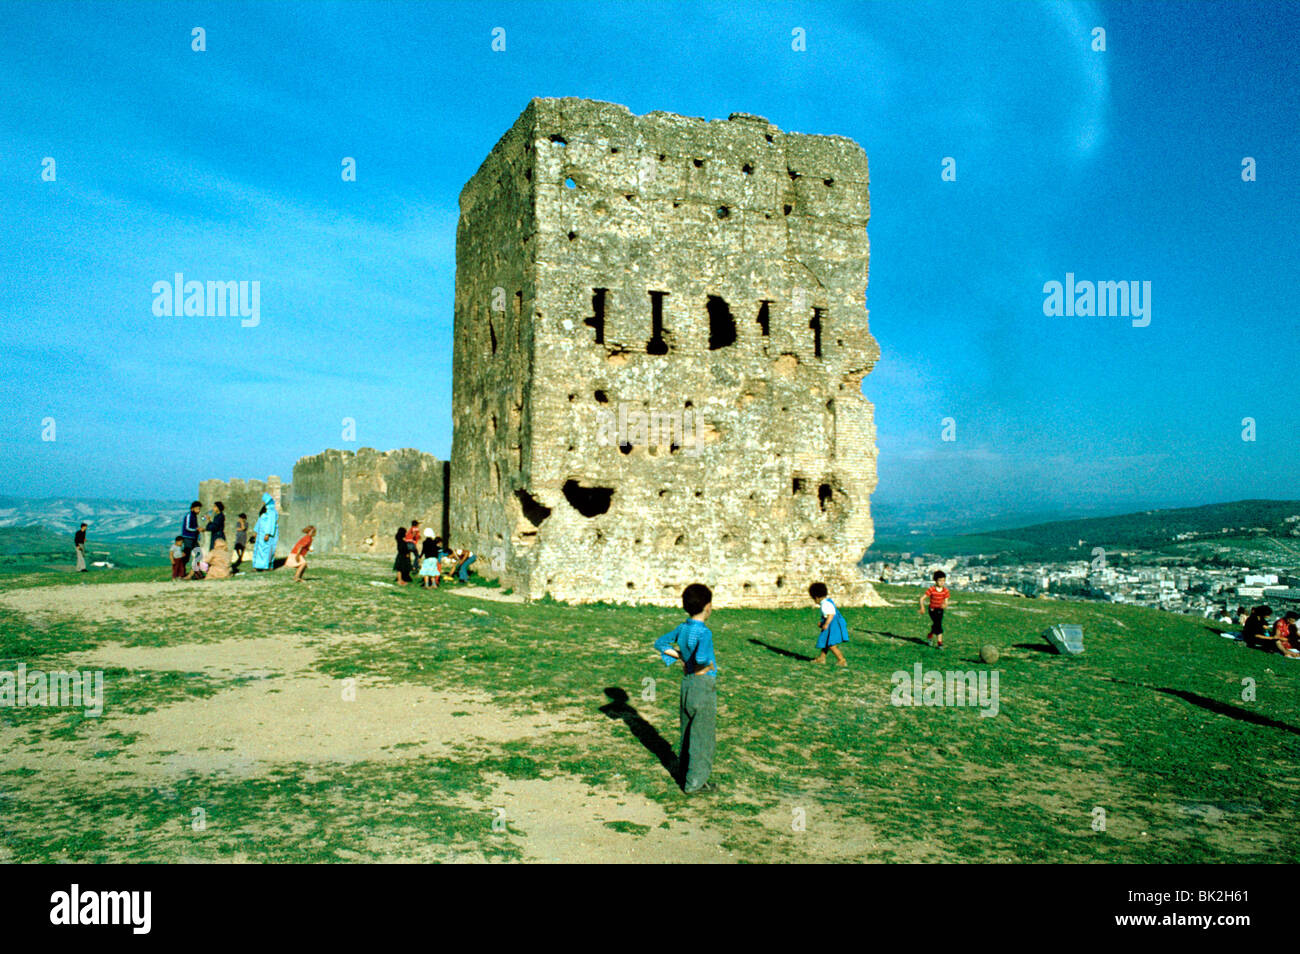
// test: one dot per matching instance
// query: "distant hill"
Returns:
(1144, 530)
(126, 521)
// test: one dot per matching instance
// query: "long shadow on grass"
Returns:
(1036, 647)
(906, 639)
(1215, 706)
(781, 652)
(618, 708)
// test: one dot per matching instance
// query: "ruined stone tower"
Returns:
(660, 340)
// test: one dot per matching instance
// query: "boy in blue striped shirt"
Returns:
(691, 643)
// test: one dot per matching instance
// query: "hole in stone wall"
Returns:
(722, 327)
(828, 182)
(793, 174)
(528, 174)
(559, 140)
(764, 317)
(768, 136)
(588, 501)
(570, 184)
(519, 304)
(796, 485)
(689, 404)
(699, 493)
(631, 585)
(676, 204)
(613, 150)
(824, 494)
(816, 326)
(723, 212)
(663, 493)
(662, 157)
(780, 582)
(573, 397)
(534, 512)
(625, 448)
(597, 319)
(679, 541)
(699, 163)
(601, 397)
(657, 345)
(787, 209)
(747, 169)
(572, 236)
(492, 334)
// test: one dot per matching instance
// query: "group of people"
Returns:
(1279, 636)
(422, 553)
(419, 551)
(217, 562)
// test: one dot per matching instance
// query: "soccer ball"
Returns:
(989, 654)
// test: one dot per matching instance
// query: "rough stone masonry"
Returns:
(660, 341)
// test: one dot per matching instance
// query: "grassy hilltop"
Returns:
(490, 730)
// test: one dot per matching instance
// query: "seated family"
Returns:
(1280, 637)
(194, 563)
(420, 552)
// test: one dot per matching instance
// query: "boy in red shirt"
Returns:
(298, 555)
(938, 596)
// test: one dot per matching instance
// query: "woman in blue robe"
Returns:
(266, 534)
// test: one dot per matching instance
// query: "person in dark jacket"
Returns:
(79, 541)
(216, 524)
(190, 529)
(402, 565)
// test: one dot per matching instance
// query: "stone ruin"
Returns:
(356, 501)
(660, 341)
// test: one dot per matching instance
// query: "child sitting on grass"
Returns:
(832, 630)
(938, 597)
(1284, 635)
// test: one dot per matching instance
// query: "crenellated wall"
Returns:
(357, 500)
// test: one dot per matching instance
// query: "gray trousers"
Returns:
(699, 713)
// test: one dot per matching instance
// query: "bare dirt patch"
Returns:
(249, 729)
(564, 820)
(130, 602)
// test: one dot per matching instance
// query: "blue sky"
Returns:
(1115, 165)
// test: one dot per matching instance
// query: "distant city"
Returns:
(1207, 573)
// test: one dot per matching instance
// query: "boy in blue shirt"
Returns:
(691, 643)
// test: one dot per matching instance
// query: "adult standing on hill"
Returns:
(402, 564)
(79, 541)
(190, 529)
(216, 525)
(266, 533)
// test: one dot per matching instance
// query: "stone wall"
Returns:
(357, 500)
(245, 496)
(660, 340)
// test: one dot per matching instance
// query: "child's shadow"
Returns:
(781, 652)
(881, 632)
(646, 734)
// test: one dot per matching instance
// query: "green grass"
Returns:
(1149, 725)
